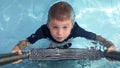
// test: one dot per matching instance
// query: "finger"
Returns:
(112, 48)
(20, 52)
(14, 50)
(16, 62)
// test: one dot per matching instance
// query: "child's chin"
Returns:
(59, 40)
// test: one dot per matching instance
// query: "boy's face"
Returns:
(60, 30)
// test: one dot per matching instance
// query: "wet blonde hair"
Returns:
(61, 11)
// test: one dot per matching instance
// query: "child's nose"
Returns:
(60, 31)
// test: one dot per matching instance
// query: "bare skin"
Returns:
(60, 30)
(19, 52)
(17, 49)
(111, 48)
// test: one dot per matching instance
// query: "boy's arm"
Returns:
(22, 44)
(103, 41)
(110, 46)
(39, 34)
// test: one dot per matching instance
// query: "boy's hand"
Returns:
(110, 49)
(18, 51)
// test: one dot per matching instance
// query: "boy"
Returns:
(61, 28)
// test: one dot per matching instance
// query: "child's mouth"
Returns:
(59, 38)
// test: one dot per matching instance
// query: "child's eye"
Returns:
(65, 27)
(55, 27)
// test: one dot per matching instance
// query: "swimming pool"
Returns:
(18, 19)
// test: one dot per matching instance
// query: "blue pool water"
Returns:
(20, 18)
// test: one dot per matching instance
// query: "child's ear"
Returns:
(73, 24)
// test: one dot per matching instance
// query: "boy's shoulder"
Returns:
(76, 26)
(44, 26)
